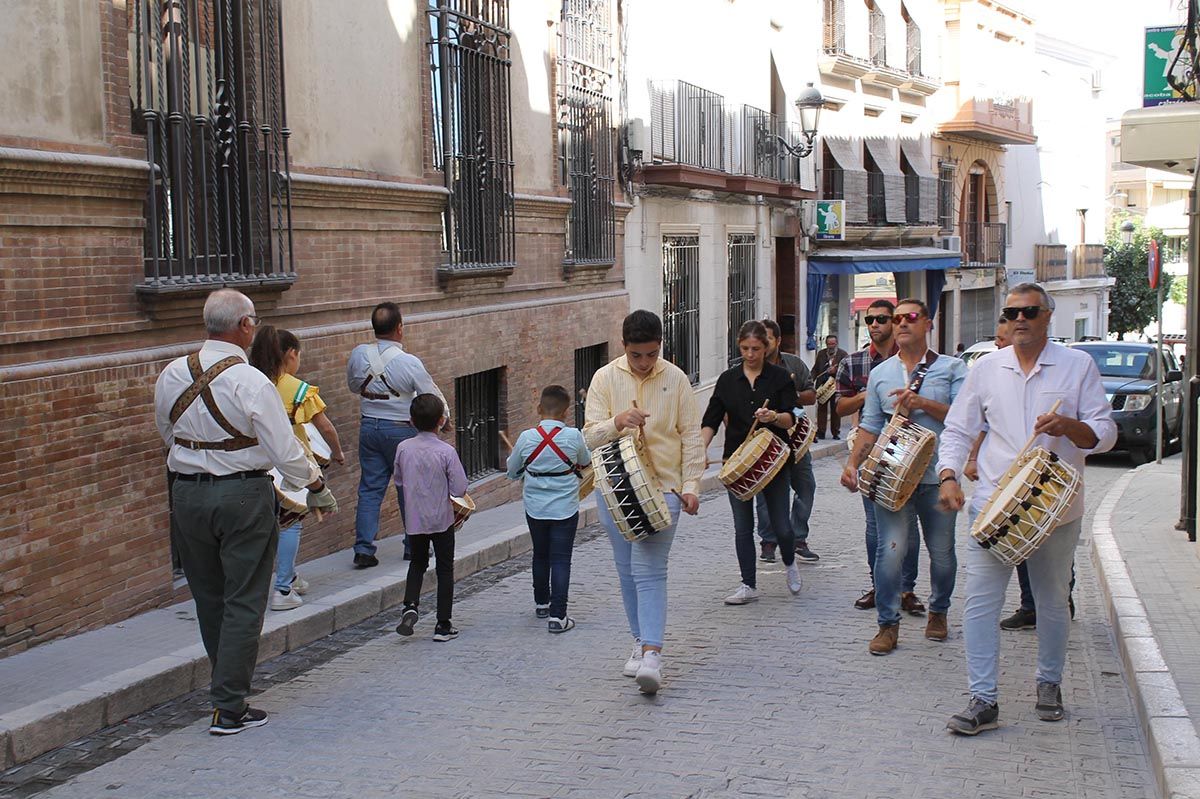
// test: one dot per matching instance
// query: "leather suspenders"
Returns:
(201, 379)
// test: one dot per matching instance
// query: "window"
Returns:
(835, 26)
(946, 196)
(206, 90)
(913, 41)
(477, 413)
(912, 191)
(877, 34)
(1008, 228)
(832, 176)
(585, 136)
(470, 64)
(588, 361)
(743, 255)
(681, 303)
(876, 196)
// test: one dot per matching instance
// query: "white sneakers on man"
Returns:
(288, 601)
(793, 578)
(649, 674)
(635, 661)
(743, 594)
(299, 585)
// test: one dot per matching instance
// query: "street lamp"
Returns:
(1127, 229)
(809, 105)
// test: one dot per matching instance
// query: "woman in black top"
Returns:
(738, 401)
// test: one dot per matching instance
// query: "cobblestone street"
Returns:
(777, 698)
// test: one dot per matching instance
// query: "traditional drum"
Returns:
(587, 482)
(629, 491)
(321, 452)
(1026, 506)
(894, 467)
(826, 390)
(801, 437)
(754, 464)
(464, 506)
(292, 505)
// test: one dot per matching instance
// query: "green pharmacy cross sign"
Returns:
(1159, 54)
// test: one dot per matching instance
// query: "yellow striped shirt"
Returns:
(673, 429)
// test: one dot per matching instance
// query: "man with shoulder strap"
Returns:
(225, 427)
(386, 378)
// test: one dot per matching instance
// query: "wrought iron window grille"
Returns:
(945, 196)
(681, 303)
(588, 361)
(207, 91)
(477, 430)
(470, 67)
(743, 258)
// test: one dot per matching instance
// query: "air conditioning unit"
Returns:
(952, 243)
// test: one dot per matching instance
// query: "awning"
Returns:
(891, 259)
(863, 303)
(914, 151)
(893, 179)
(846, 152)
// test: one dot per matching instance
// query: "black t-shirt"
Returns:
(735, 397)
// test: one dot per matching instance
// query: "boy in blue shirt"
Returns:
(550, 457)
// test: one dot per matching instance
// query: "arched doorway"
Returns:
(983, 239)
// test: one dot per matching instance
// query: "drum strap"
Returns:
(376, 366)
(200, 387)
(548, 441)
(918, 376)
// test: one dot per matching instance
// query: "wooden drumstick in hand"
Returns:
(755, 425)
(507, 443)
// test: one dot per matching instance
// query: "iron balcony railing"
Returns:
(912, 199)
(984, 244)
(876, 199)
(832, 183)
(913, 47)
(878, 36)
(834, 41)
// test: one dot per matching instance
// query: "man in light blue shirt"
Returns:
(937, 379)
(386, 378)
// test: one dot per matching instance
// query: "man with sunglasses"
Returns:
(852, 386)
(921, 384)
(1010, 393)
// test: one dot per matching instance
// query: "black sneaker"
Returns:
(560, 625)
(542, 611)
(444, 631)
(805, 554)
(1049, 705)
(978, 716)
(408, 620)
(364, 561)
(767, 554)
(1019, 620)
(226, 722)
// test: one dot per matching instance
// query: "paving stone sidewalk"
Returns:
(777, 698)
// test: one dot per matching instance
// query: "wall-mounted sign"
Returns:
(1162, 46)
(831, 220)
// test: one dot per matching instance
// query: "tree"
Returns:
(1178, 293)
(1132, 304)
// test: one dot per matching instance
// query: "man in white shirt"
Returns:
(1009, 393)
(386, 378)
(225, 426)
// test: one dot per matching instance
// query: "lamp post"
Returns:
(808, 104)
(1127, 229)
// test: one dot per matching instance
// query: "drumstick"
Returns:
(1053, 409)
(507, 443)
(641, 434)
(756, 419)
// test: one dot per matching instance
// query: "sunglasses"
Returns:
(910, 317)
(880, 319)
(1028, 311)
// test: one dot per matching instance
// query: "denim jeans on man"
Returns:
(937, 526)
(553, 540)
(1027, 602)
(804, 488)
(987, 581)
(908, 577)
(377, 442)
(776, 498)
(642, 570)
(285, 557)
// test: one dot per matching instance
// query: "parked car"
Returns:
(1127, 369)
(975, 351)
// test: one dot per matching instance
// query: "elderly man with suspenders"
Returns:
(223, 502)
(386, 378)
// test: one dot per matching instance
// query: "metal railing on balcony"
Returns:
(1049, 262)
(876, 199)
(833, 183)
(878, 36)
(914, 48)
(1089, 261)
(912, 199)
(984, 244)
(835, 27)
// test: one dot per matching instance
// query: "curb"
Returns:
(37, 728)
(1169, 731)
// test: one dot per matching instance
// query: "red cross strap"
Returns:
(548, 441)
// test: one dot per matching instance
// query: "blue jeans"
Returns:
(1050, 570)
(377, 442)
(804, 488)
(285, 557)
(553, 540)
(642, 569)
(909, 575)
(894, 526)
(1027, 603)
(776, 498)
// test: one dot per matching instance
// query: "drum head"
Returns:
(320, 449)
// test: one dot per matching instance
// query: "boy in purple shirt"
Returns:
(428, 472)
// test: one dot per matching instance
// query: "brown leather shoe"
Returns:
(911, 605)
(935, 628)
(884, 640)
(866, 601)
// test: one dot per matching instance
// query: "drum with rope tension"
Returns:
(1026, 506)
(896, 463)
(826, 391)
(629, 490)
(754, 464)
(801, 436)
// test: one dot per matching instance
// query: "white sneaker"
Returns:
(299, 585)
(742, 595)
(282, 601)
(635, 661)
(793, 578)
(649, 674)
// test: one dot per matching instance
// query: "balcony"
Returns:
(1089, 261)
(1049, 262)
(984, 244)
(998, 121)
(699, 140)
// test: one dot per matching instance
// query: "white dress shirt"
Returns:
(249, 401)
(1000, 398)
(404, 372)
